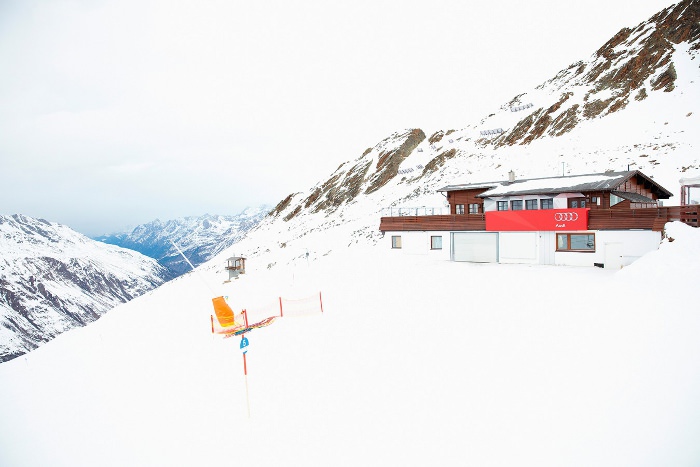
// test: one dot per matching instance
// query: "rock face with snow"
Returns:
(632, 105)
(630, 66)
(53, 279)
(200, 238)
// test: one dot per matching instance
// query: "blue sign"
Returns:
(244, 344)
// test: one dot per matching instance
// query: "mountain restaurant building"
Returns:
(606, 220)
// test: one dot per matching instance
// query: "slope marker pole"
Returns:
(245, 375)
(244, 345)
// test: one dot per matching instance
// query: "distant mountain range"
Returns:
(199, 238)
(53, 279)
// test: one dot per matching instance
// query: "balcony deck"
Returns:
(598, 219)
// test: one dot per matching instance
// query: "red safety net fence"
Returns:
(228, 323)
(301, 306)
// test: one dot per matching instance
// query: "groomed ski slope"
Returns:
(414, 362)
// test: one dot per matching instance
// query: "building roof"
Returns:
(634, 197)
(608, 181)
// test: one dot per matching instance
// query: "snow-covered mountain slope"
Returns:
(415, 361)
(632, 104)
(53, 279)
(410, 364)
(200, 238)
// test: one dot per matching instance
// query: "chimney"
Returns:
(511, 176)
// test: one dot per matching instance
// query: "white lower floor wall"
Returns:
(613, 248)
(432, 243)
(474, 247)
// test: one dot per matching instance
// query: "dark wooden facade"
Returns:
(635, 206)
(598, 219)
(465, 198)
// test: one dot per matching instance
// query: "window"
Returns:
(436, 242)
(530, 204)
(474, 208)
(614, 199)
(396, 241)
(459, 209)
(502, 205)
(547, 203)
(577, 203)
(516, 205)
(575, 242)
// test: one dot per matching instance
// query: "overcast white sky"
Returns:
(115, 113)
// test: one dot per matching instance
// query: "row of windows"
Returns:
(519, 205)
(565, 242)
(529, 204)
(474, 208)
(435, 242)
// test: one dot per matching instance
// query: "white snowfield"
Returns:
(413, 362)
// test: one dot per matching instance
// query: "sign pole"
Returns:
(244, 349)
(247, 395)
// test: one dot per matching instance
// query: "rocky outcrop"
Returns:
(370, 172)
(389, 160)
(628, 66)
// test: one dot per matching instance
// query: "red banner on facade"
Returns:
(539, 219)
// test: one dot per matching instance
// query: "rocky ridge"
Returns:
(635, 65)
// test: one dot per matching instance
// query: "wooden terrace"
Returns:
(598, 219)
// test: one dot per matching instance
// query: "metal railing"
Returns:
(414, 211)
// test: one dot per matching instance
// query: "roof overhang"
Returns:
(634, 197)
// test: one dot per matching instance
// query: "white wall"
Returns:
(518, 247)
(635, 243)
(418, 243)
(528, 248)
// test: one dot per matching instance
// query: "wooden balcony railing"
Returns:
(651, 218)
(598, 219)
(439, 222)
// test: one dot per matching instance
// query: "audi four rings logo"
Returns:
(565, 216)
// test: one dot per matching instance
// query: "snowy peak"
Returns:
(53, 279)
(629, 67)
(199, 237)
(623, 109)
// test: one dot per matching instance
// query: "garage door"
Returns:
(481, 247)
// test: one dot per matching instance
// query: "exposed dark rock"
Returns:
(281, 206)
(436, 137)
(438, 161)
(389, 161)
(641, 95)
(291, 215)
(565, 122)
(665, 80)
(519, 130)
(594, 108)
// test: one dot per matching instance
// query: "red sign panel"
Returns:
(537, 219)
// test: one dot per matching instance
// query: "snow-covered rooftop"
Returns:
(574, 183)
